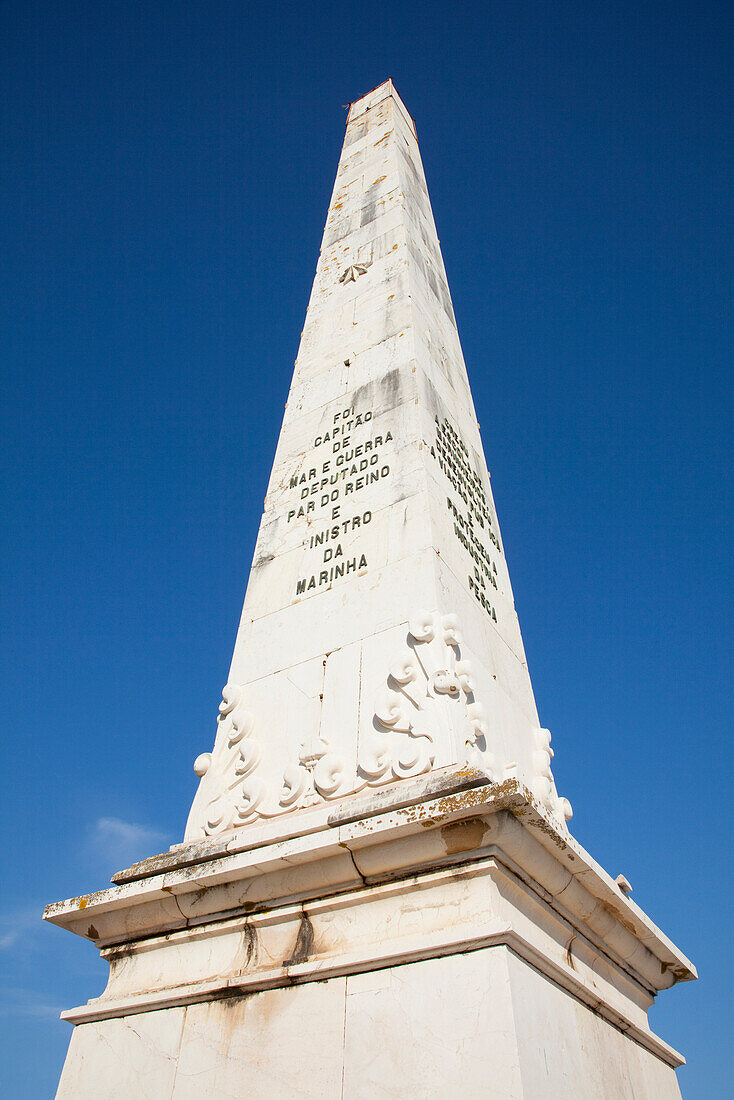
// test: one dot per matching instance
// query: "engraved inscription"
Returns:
(344, 460)
(472, 520)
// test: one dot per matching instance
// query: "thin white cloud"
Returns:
(25, 1002)
(123, 842)
(18, 925)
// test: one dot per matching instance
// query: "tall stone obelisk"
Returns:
(377, 893)
(378, 519)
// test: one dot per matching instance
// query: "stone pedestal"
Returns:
(440, 937)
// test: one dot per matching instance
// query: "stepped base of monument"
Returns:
(480, 1024)
(452, 939)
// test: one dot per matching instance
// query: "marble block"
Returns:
(448, 929)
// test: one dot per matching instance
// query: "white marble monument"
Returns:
(377, 894)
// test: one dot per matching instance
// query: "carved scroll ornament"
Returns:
(428, 689)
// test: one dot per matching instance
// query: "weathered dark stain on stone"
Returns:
(463, 836)
(115, 954)
(92, 933)
(617, 914)
(546, 828)
(304, 942)
(249, 936)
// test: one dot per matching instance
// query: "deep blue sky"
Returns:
(166, 173)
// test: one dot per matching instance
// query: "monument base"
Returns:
(441, 936)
